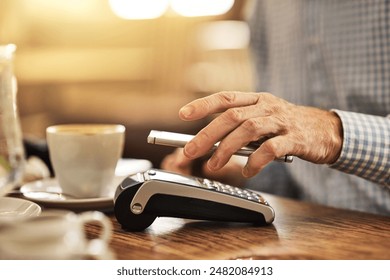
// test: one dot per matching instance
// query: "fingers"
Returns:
(230, 174)
(216, 103)
(246, 117)
(238, 109)
(268, 151)
(177, 162)
(250, 130)
(218, 129)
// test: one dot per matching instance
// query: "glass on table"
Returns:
(11, 142)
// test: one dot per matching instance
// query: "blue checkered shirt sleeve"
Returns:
(366, 147)
(333, 54)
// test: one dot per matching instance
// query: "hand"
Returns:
(177, 162)
(312, 134)
(229, 174)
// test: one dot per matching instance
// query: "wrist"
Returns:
(336, 137)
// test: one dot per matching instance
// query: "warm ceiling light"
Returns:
(139, 9)
(196, 8)
(224, 34)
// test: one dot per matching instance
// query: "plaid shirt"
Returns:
(334, 55)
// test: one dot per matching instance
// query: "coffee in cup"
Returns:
(84, 157)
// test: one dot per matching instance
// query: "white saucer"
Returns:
(12, 209)
(48, 192)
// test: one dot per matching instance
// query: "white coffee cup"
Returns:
(84, 156)
(56, 234)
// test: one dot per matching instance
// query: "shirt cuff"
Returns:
(366, 146)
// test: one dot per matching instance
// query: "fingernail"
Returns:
(245, 171)
(190, 149)
(186, 111)
(213, 163)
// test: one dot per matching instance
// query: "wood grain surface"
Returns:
(300, 231)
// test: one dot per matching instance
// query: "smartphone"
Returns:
(144, 196)
(180, 140)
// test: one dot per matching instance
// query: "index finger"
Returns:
(216, 103)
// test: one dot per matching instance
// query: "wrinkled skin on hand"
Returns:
(309, 133)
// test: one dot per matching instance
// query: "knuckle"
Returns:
(265, 97)
(227, 97)
(251, 125)
(204, 135)
(274, 105)
(206, 103)
(270, 148)
(265, 94)
(234, 115)
(225, 149)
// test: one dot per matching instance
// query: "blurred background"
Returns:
(134, 62)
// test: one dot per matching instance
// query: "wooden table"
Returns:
(300, 231)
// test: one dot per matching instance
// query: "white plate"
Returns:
(12, 209)
(48, 192)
